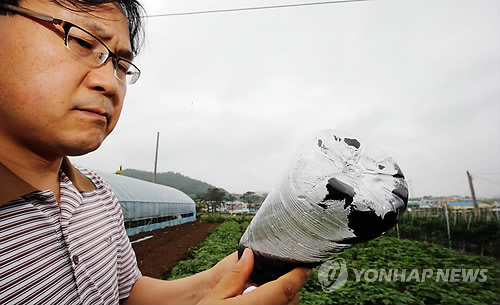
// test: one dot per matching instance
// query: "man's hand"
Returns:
(222, 284)
(230, 278)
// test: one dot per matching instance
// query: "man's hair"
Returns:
(132, 9)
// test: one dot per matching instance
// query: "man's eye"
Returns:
(122, 68)
(82, 43)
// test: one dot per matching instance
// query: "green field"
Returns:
(475, 235)
(382, 253)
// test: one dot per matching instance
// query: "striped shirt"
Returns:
(74, 252)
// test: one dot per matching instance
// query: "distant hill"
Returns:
(188, 185)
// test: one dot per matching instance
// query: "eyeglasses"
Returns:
(85, 45)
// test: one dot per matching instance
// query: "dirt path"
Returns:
(158, 254)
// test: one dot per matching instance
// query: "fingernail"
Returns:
(251, 288)
(245, 255)
(308, 273)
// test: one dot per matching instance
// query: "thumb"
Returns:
(233, 283)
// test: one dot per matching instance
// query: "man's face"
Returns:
(52, 102)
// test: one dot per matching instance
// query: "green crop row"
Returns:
(479, 236)
(386, 253)
(224, 217)
(383, 253)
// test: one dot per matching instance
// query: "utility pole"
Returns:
(476, 209)
(156, 156)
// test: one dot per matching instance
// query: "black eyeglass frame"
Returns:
(66, 25)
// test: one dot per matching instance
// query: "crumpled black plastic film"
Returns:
(337, 192)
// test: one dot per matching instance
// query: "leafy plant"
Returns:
(391, 253)
(382, 253)
(468, 234)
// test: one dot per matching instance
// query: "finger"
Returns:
(280, 291)
(249, 284)
(230, 259)
(225, 266)
(233, 283)
(295, 300)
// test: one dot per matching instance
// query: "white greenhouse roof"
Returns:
(129, 189)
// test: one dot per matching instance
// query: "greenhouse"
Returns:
(147, 206)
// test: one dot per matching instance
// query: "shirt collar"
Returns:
(14, 186)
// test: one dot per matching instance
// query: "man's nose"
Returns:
(103, 78)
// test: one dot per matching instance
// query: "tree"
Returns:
(231, 198)
(213, 198)
(248, 197)
(199, 208)
(251, 198)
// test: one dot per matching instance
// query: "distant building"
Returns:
(430, 201)
(425, 205)
(235, 207)
(148, 206)
(467, 205)
(241, 211)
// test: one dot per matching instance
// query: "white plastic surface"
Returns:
(320, 206)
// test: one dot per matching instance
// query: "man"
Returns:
(64, 69)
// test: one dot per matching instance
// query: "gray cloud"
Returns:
(234, 94)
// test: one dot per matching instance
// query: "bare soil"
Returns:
(157, 255)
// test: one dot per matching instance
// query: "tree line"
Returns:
(189, 186)
(215, 198)
(205, 195)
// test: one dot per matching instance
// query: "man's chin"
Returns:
(81, 150)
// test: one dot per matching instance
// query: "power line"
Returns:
(250, 8)
(488, 174)
(487, 180)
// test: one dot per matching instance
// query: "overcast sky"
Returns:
(234, 94)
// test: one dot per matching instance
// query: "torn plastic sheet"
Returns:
(337, 192)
